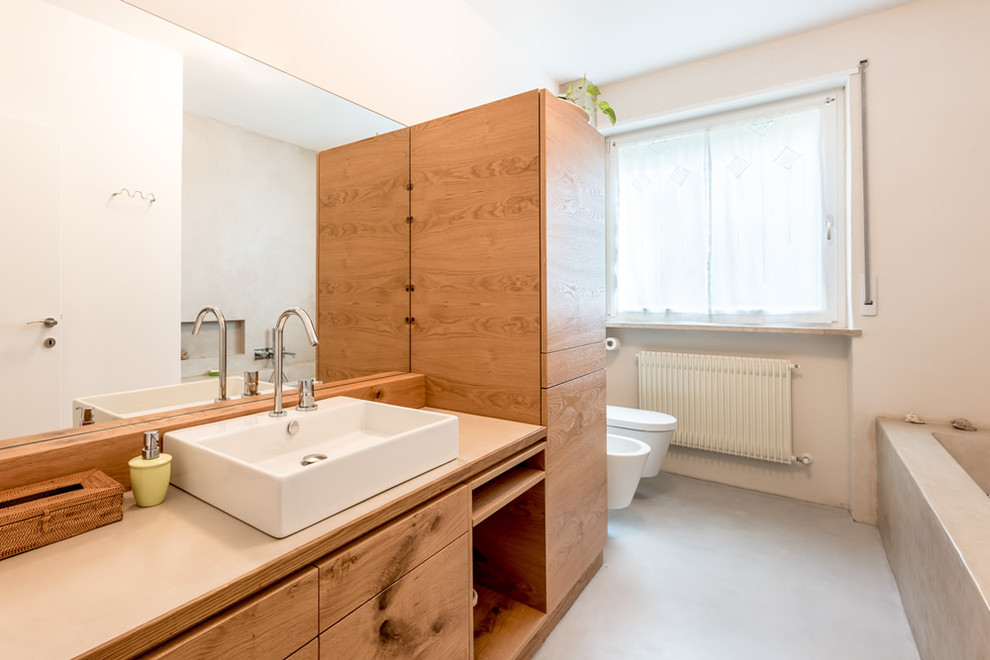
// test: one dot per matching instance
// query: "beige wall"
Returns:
(929, 140)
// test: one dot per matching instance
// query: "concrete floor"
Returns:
(696, 570)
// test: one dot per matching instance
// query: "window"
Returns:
(735, 218)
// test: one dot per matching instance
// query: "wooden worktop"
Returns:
(125, 588)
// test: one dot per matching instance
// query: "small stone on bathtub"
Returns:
(963, 424)
(914, 419)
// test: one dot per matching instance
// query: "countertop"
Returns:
(128, 586)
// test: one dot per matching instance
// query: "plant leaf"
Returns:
(570, 89)
(607, 111)
(593, 89)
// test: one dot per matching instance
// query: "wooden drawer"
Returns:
(271, 624)
(426, 614)
(352, 575)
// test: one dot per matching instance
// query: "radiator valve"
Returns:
(804, 459)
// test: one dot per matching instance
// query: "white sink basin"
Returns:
(267, 472)
(132, 403)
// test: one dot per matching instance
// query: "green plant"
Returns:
(588, 92)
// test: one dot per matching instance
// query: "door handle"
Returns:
(48, 323)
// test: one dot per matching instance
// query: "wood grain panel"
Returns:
(273, 624)
(363, 257)
(577, 522)
(570, 363)
(309, 652)
(109, 447)
(356, 573)
(574, 228)
(475, 259)
(426, 614)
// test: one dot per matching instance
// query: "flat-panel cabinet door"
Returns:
(426, 614)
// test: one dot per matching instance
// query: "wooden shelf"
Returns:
(492, 496)
(502, 626)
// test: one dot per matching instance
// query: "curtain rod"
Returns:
(867, 274)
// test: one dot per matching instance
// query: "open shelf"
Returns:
(508, 537)
(502, 626)
(501, 490)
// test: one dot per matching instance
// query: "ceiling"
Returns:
(624, 38)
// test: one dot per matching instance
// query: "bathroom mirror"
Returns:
(249, 140)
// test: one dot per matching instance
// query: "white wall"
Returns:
(248, 231)
(928, 144)
(409, 61)
(117, 103)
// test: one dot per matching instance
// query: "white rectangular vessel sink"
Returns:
(132, 403)
(281, 474)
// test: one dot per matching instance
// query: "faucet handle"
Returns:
(306, 399)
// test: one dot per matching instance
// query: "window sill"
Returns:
(780, 329)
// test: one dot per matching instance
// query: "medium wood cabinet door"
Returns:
(574, 228)
(476, 259)
(577, 516)
(426, 614)
(363, 258)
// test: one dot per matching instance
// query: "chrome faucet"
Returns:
(222, 323)
(279, 329)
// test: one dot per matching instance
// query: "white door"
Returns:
(30, 363)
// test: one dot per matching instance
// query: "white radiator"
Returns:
(723, 403)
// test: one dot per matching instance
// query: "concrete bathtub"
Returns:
(934, 519)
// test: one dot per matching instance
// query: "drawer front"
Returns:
(351, 576)
(272, 624)
(426, 614)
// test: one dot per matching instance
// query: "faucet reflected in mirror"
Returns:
(222, 324)
(279, 330)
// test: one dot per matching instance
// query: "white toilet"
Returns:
(653, 428)
(626, 464)
(626, 460)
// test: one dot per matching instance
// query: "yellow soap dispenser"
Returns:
(150, 472)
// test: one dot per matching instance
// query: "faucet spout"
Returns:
(222, 324)
(279, 329)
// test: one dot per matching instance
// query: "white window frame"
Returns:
(835, 124)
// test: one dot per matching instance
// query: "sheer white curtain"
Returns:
(725, 220)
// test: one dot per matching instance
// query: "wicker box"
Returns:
(53, 510)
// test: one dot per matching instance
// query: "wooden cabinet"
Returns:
(508, 265)
(274, 623)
